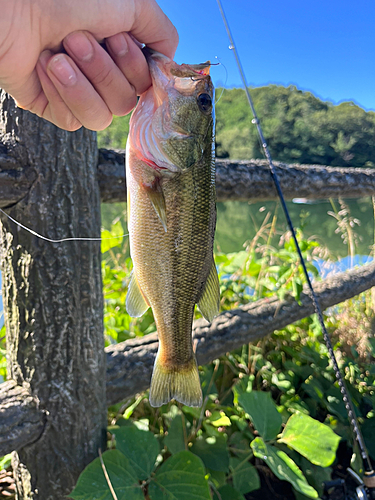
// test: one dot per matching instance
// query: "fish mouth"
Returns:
(167, 74)
(162, 68)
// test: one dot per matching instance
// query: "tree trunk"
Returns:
(53, 300)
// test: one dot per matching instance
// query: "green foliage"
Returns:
(301, 433)
(226, 492)
(213, 451)
(140, 447)
(263, 413)
(298, 127)
(112, 238)
(177, 437)
(265, 271)
(275, 403)
(244, 475)
(134, 470)
(283, 466)
(114, 137)
(181, 477)
(92, 484)
(5, 461)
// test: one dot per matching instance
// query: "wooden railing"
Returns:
(60, 377)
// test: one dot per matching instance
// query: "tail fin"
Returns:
(180, 383)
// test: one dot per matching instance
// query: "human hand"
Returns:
(87, 84)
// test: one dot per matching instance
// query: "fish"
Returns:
(170, 175)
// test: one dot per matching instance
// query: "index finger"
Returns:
(153, 28)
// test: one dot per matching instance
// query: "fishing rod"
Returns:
(366, 487)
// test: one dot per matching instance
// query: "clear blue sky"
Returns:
(325, 46)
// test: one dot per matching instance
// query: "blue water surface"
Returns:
(328, 268)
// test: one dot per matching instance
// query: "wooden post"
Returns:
(53, 300)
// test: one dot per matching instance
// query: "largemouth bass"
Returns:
(170, 174)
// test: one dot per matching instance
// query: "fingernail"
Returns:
(80, 46)
(118, 44)
(62, 70)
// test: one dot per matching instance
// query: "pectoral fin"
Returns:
(209, 301)
(136, 304)
(156, 196)
(158, 202)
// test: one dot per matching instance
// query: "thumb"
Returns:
(153, 28)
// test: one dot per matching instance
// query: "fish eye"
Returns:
(204, 103)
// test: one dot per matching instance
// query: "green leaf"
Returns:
(315, 475)
(297, 289)
(5, 461)
(190, 410)
(218, 478)
(294, 404)
(239, 444)
(244, 384)
(219, 419)
(213, 452)
(181, 477)
(245, 476)
(130, 409)
(113, 238)
(228, 493)
(235, 261)
(263, 413)
(282, 381)
(313, 389)
(314, 440)
(140, 447)
(283, 467)
(371, 342)
(92, 484)
(368, 430)
(208, 385)
(253, 268)
(175, 440)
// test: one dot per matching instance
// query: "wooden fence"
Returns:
(60, 377)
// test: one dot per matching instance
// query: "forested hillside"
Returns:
(299, 128)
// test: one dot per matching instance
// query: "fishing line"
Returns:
(63, 239)
(369, 472)
(226, 77)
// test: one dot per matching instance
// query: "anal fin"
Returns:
(136, 304)
(209, 301)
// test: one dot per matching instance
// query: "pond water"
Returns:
(238, 222)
